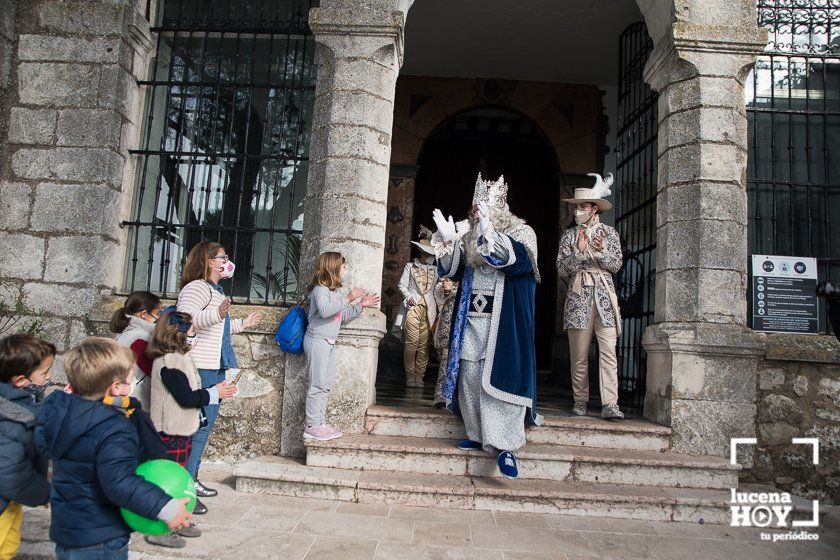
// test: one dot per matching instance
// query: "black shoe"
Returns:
(203, 492)
(200, 508)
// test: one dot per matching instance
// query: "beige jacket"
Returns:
(167, 415)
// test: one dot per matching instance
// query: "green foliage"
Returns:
(275, 284)
(15, 317)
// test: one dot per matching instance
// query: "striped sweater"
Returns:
(202, 302)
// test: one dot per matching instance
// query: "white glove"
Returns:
(484, 222)
(446, 228)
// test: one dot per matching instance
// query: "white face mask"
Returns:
(133, 389)
(190, 342)
(344, 277)
(227, 270)
(582, 216)
(430, 260)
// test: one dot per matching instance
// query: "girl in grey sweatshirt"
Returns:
(328, 310)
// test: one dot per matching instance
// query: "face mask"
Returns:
(430, 260)
(582, 216)
(344, 276)
(36, 391)
(132, 388)
(227, 270)
(190, 342)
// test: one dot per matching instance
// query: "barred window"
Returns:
(224, 150)
(793, 116)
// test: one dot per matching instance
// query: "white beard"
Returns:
(503, 222)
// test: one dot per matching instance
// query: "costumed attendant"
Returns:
(329, 308)
(134, 323)
(491, 375)
(440, 338)
(419, 309)
(590, 253)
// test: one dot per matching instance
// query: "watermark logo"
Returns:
(772, 509)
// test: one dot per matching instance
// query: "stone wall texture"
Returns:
(799, 396)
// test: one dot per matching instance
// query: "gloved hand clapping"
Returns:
(484, 222)
(445, 227)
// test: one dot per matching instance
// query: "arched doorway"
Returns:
(497, 141)
(494, 140)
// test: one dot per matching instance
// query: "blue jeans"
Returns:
(209, 377)
(115, 549)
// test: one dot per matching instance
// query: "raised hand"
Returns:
(484, 222)
(370, 300)
(445, 227)
(582, 242)
(355, 294)
(252, 319)
(226, 390)
(224, 307)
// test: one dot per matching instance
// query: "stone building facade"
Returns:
(71, 75)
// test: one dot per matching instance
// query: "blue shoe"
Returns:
(507, 464)
(467, 444)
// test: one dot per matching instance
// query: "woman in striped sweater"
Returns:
(212, 352)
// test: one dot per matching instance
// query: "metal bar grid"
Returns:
(793, 115)
(636, 177)
(224, 154)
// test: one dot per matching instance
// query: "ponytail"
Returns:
(134, 303)
(119, 320)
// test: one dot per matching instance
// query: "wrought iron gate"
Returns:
(224, 152)
(636, 176)
(793, 115)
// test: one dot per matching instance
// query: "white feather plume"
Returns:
(602, 186)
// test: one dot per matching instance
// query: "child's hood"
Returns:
(64, 418)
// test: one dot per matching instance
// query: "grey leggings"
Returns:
(320, 358)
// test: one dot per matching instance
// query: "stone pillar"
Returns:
(701, 355)
(358, 57)
(73, 111)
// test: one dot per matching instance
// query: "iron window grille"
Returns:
(636, 178)
(793, 115)
(224, 153)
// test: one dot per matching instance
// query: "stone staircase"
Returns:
(570, 465)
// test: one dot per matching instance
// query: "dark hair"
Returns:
(197, 266)
(134, 303)
(21, 354)
(169, 335)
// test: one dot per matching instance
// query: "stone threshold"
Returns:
(536, 461)
(571, 430)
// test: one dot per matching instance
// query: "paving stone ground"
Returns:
(254, 527)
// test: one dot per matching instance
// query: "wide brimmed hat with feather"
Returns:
(425, 244)
(596, 194)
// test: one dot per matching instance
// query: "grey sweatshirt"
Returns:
(328, 310)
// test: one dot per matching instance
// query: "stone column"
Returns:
(73, 113)
(701, 355)
(358, 57)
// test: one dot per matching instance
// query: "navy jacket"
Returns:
(95, 453)
(23, 472)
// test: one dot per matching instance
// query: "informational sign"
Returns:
(784, 294)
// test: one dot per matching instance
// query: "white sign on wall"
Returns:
(784, 294)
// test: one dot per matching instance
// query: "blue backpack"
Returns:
(291, 330)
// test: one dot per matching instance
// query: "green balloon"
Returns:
(170, 477)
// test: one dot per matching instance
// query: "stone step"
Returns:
(536, 461)
(579, 431)
(288, 477)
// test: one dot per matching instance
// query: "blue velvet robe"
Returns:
(513, 377)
